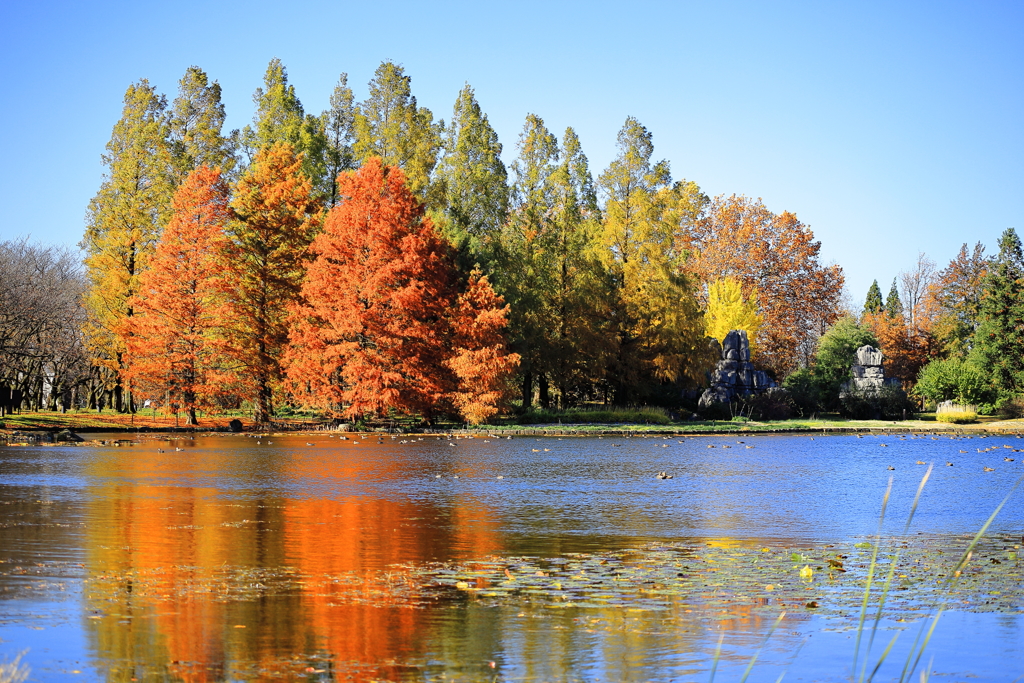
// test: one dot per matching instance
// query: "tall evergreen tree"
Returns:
(999, 340)
(390, 125)
(195, 123)
(279, 114)
(873, 301)
(339, 130)
(893, 305)
(522, 273)
(276, 220)
(175, 346)
(280, 118)
(659, 328)
(578, 295)
(123, 223)
(471, 178)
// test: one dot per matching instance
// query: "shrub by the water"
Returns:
(774, 404)
(956, 417)
(955, 413)
(890, 403)
(804, 392)
(952, 379)
(1011, 407)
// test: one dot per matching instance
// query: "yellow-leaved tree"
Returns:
(729, 310)
(658, 330)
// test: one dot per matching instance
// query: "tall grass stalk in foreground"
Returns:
(13, 672)
(753, 660)
(893, 561)
(951, 580)
(765, 642)
(871, 576)
(916, 652)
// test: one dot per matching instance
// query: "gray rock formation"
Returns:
(735, 376)
(866, 373)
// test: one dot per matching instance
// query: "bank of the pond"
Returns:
(46, 426)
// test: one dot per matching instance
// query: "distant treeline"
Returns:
(612, 283)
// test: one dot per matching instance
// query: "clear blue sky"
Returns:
(889, 128)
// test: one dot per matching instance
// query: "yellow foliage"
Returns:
(728, 310)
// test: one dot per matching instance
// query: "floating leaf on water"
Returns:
(864, 545)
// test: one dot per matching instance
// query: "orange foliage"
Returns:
(173, 341)
(905, 353)
(277, 219)
(376, 330)
(480, 361)
(930, 326)
(777, 255)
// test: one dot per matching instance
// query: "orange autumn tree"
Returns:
(904, 354)
(174, 343)
(382, 325)
(777, 255)
(276, 220)
(480, 361)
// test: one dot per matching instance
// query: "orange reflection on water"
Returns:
(185, 581)
(376, 540)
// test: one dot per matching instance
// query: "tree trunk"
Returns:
(527, 390)
(190, 408)
(545, 393)
(261, 413)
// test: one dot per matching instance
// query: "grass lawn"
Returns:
(93, 421)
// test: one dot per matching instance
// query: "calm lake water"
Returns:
(308, 557)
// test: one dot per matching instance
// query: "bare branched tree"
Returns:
(914, 286)
(42, 356)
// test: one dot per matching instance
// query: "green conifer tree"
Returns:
(471, 179)
(579, 296)
(520, 253)
(123, 224)
(339, 136)
(280, 118)
(390, 125)
(999, 339)
(279, 115)
(893, 305)
(873, 301)
(195, 123)
(659, 331)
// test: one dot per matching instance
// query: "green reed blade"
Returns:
(893, 561)
(881, 659)
(871, 575)
(758, 653)
(718, 653)
(953, 578)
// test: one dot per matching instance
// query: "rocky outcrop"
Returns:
(734, 376)
(867, 375)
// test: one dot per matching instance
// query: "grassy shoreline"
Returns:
(113, 422)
